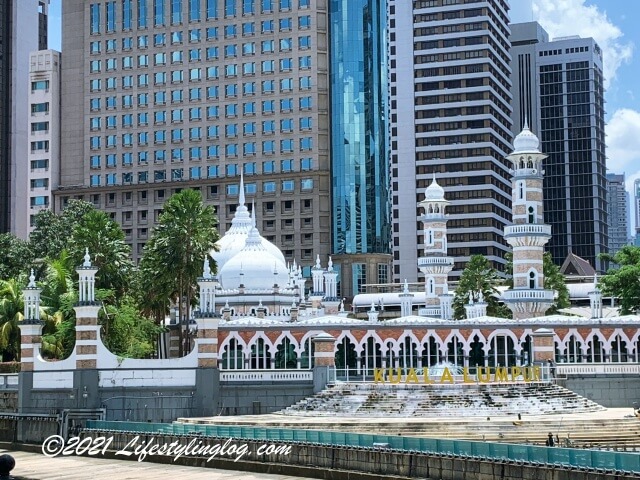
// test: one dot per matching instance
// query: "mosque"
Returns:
(267, 321)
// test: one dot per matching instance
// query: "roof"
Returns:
(574, 265)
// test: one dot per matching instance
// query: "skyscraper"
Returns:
(361, 227)
(450, 115)
(619, 214)
(17, 40)
(164, 95)
(39, 174)
(559, 86)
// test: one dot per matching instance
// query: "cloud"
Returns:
(572, 17)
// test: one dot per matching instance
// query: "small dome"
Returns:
(434, 191)
(254, 266)
(526, 141)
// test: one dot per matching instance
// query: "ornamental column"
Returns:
(87, 328)
(528, 233)
(324, 359)
(31, 326)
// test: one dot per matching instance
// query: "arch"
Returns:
(260, 354)
(430, 351)
(571, 351)
(408, 352)
(529, 162)
(618, 350)
(346, 356)
(233, 355)
(476, 352)
(286, 356)
(595, 348)
(502, 350)
(371, 356)
(532, 278)
(531, 216)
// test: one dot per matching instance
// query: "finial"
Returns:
(434, 177)
(260, 303)
(241, 198)
(275, 268)
(330, 265)
(226, 305)
(470, 298)
(32, 280)
(87, 258)
(373, 306)
(318, 262)
(595, 279)
(206, 269)
(480, 297)
(406, 286)
(526, 123)
(253, 213)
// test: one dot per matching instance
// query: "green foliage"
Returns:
(109, 253)
(553, 280)
(16, 256)
(623, 281)
(52, 232)
(172, 261)
(479, 276)
(130, 334)
(11, 308)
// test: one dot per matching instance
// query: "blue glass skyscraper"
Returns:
(359, 142)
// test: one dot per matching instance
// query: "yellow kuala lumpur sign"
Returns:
(483, 375)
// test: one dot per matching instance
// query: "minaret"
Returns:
(595, 299)
(406, 301)
(435, 265)
(207, 284)
(528, 234)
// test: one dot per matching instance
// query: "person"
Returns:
(550, 441)
(552, 368)
(7, 463)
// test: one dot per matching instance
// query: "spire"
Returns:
(32, 280)
(253, 212)
(87, 258)
(241, 198)
(406, 286)
(526, 123)
(206, 270)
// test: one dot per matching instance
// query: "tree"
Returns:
(52, 232)
(553, 280)
(11, 308)
(109, 253)
(623, 282)
(479, 276)
(15, 256)
(172, 259)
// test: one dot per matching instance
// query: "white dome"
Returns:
(434, 191)
(254, 266)
(526, 141)
(234, 240)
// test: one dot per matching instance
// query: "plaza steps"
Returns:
(468, 400)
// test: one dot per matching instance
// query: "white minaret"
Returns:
(317, 273)
(435, 264)
(330, 282)
(528, 234)
(595, 299)
(32, 299)
(86, 281)
(406, 301)
(207, 285)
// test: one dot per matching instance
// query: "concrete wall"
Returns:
(608, 390)
(337, 463)
(265, 397)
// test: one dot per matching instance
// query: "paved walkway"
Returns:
(35, 466)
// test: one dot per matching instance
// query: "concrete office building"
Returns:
(619, 213)
(450, 115)
(18, 38)
(164, 95)
(43, 162)
(558, 87)
(636, 202)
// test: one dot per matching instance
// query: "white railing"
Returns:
(546, 295)
(435, 261)
(429, 312)
(8, 380)
(528, 229)
(266, 375)
(598, 368)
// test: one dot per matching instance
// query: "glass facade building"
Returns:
(359, 137)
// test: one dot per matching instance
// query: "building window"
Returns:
(359, 277)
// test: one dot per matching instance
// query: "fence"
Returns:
(572, 457)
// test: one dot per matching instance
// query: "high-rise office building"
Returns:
(361, 227)
(41, 171)
(558, 88)
(163, 95)
(450, 115)
(636, 203)
(619, 213)
(17, 40)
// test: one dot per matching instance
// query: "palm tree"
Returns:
(479, 276)
(109, 253)
(184, 236)
(11, 308)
